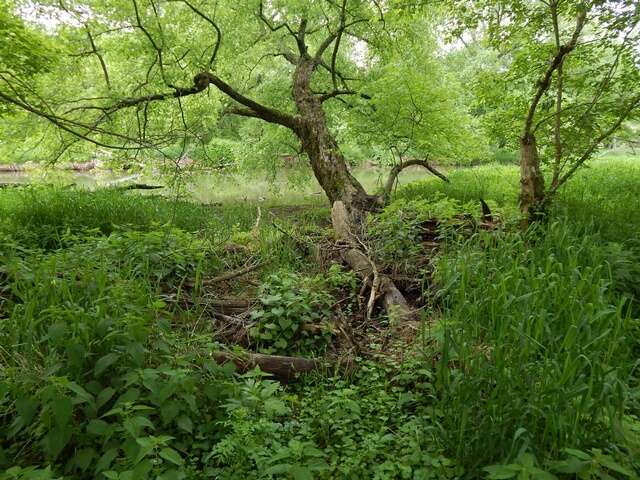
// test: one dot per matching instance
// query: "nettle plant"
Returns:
(402, 225)
(295, 313)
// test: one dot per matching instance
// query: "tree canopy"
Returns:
(386, 80)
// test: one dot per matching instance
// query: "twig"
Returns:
(234, 273)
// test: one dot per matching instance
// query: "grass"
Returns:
(525, 366)
(543, 346)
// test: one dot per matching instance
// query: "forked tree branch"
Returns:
(545, 82)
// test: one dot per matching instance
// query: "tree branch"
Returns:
(395, 171)
(268, 114)
(545, 81)
(94, 50)
(215, 27)
(633, 104)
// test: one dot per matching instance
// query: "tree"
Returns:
(24, 52)
(418, 111)
(288, 60)
(572, 72)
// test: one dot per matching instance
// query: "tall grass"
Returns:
(45, 213)
(537, 352)
(605, 196)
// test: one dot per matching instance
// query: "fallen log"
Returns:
(285, 369)
(140, 186)
(227, 305)
(394, 302)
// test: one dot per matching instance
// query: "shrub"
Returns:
(294, 315)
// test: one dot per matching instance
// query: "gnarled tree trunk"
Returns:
(531, 182)
(328, 164)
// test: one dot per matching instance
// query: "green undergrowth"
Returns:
(524, 366)
(539, 350)
(603, 197)
(41, 215)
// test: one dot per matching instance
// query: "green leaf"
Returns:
(301, 473)
(82, 395)
(171, 455)
(105, 362)
(84, 457)
(147, 445)
(578, 453)
(142, 469)
(608, 462)
(185, 423)
(26, 408)
(97, 427)
(135, 425)
(500, 472)
(278, 469)
(106, 460)
(104, 396)
(55, 441)
(284, 322)
(62, 409)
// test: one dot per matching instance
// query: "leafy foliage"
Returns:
(294, 316)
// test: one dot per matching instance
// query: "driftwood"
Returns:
(352, 253)
(139, 186)
(284, 369)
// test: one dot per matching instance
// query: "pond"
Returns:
(80, 179)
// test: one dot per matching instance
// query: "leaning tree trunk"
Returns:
(328, 164)
(531, 182)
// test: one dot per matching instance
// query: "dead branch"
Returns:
(234, 273)
(394, 302)
(285, 369)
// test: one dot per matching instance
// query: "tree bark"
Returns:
(532, 190)
(327, 161)
(531, 182)
(284, 369)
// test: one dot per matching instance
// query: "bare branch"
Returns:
(395, 171)
(96, 52)
(215, 26)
